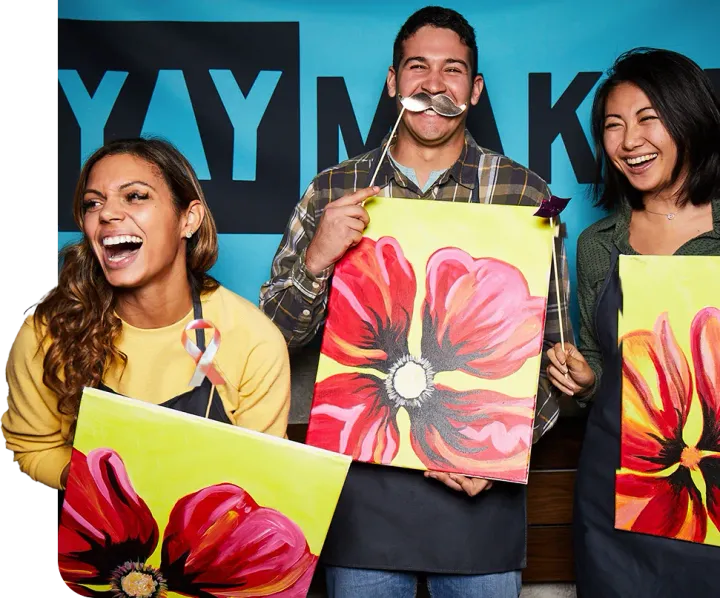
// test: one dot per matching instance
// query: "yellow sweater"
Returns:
(252, 359)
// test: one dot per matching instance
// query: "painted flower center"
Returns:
(690, 457)
(137, 580)
(138, 584)
(410, 381)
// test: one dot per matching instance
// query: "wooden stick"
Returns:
(557, 288)
(387, 146)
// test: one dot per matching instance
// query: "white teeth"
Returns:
(117, 240)
(640, 159)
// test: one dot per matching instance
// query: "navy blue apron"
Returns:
(610, 563)
(194, 401)
(396, 519)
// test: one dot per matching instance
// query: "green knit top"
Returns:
(593, 262)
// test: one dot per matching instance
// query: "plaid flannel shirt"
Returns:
(296, 300)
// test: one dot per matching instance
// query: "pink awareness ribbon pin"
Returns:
(203, 359)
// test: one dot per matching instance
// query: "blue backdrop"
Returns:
(261, 95)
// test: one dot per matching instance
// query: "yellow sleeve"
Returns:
(32, 423)
(265, 386)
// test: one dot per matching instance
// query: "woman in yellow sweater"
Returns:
(126, 292)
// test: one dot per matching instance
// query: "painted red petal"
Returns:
(480, 433)
(705, 343)
(675, 383)
(710, 468)
(657, 391)
(351, 414)
(207, 505)
(659, 506)
(220, 543)
(479, 316)
(301, 587)
(371, 305)
(104, 523)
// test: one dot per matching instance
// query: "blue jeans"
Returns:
(344, 582)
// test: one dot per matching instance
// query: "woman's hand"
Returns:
(569, 371)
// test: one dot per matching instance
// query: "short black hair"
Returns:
(687, 105)
(443, 18)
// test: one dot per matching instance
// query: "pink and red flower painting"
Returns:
(218, 542)
(477, 316)
(669, 481)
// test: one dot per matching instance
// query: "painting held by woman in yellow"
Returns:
(161, 504)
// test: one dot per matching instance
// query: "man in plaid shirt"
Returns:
(391, 524)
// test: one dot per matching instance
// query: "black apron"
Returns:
(194, 401)
(396, 519)
(611, 563)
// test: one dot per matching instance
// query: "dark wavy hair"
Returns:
(443, 18)
(687, 105)
(77, 318)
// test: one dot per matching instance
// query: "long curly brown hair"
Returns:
(77, 318)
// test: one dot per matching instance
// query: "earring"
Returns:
(189, 234)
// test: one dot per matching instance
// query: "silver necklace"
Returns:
(668, 215)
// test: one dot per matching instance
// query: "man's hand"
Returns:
(461, 483)
(341, 227)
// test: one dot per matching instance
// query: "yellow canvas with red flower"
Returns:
(668, 483)
(162, 504)
(432, 345)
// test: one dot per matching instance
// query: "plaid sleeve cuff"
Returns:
(306, 282)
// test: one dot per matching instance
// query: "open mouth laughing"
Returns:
(120, 250)
(640, 163)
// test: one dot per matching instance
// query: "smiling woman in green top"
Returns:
(656, 126)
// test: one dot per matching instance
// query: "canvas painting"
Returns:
(668, 483)
(164, 504)
(432, 344)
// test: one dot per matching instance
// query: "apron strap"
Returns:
(197, 315)
(609, 279)
(475, 192)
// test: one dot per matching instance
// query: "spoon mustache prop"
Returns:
(440, 103)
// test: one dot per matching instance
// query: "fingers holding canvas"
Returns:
(461, 483)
